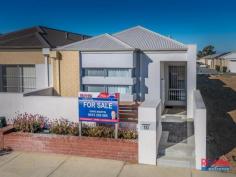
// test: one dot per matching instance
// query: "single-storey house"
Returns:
(24, 58)
(214, 60)
(145, 67)
(138, 63)
(230, 61)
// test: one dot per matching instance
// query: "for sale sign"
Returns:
(98, 107)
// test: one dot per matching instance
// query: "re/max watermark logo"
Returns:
(215, 165)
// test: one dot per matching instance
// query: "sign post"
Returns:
(99, 107)
(116, 130)
(80, 128)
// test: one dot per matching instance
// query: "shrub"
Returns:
(98, 131)
(217, 67)
(224, 69)
(109, 132)
(37, 123)
(127, 134)
(64, 127)
(29, 123)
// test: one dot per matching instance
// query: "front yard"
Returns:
(219, 95)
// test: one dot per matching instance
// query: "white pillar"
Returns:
(46, 65)
(200, 128)
(191, 78)
(149, 129)
(46, 53)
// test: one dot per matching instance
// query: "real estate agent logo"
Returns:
(215, 165)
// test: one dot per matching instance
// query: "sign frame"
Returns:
(98, 107)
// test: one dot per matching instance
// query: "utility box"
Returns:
(3, 122)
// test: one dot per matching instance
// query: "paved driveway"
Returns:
(19, 164)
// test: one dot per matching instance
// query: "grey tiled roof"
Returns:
(37, 38)
(144, 39)
(130, 39)
(102, 42)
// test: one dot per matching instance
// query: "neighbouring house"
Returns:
(229, 61)
(24, 58)
(214, 60)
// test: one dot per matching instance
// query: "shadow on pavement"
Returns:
(5, 152)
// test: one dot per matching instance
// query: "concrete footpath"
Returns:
(21, 164)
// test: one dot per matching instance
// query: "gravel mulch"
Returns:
(219, 95)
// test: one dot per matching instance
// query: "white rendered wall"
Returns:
(94, 80)
(107, 60)
(150, 73)
(232, 66)
(151, 70)
(191, 78)
(199, 129)
(49, 106)
(124, 59)
(149, 129)
(41, 78)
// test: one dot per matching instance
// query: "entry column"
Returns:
(150, 129)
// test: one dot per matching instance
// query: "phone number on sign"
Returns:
(98, 115)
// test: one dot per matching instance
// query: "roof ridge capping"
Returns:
(153, 32)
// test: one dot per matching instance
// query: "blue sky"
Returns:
(189, 21)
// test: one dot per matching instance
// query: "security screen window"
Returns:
(94, 72)
(119, 89)
(109, 89)
(119, 72)
(108, 72)
(17, 78)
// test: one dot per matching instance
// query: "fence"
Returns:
(129, 112)
(43, 102)
(50, 106)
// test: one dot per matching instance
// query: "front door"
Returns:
(176, 85)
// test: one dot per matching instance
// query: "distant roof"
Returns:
(134, 38)
(101, 42)
(230, 56)
(38, 37)
(216, 55)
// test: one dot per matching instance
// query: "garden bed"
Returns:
(107, 148)
(36, 133)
